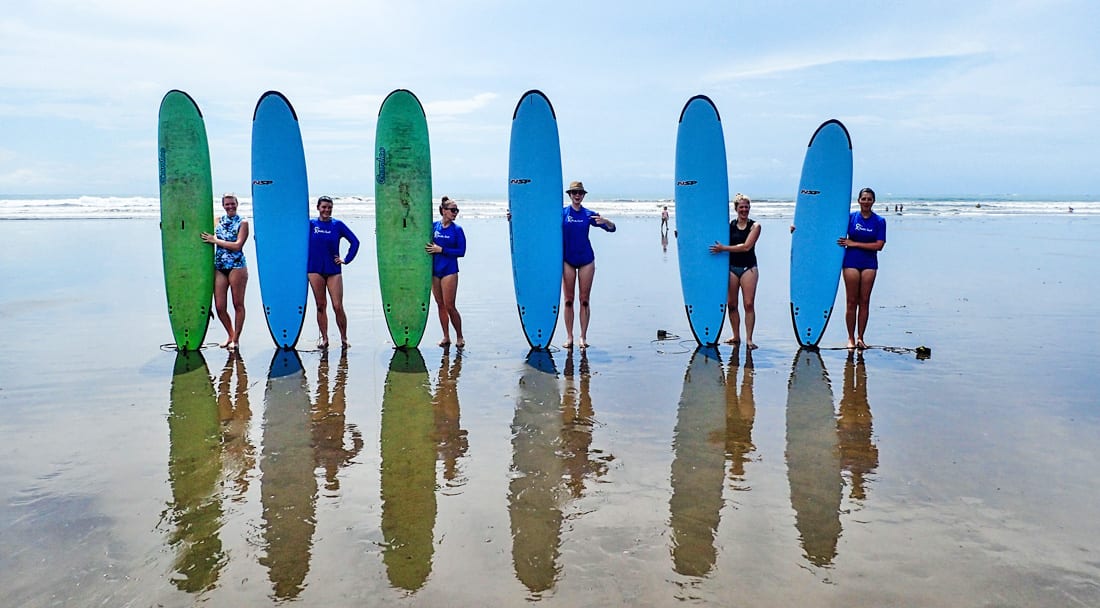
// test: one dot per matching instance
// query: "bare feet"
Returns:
(231, 345)
(751, 346)
(568, 343)
(445, 342)
(583, 344)
(733, 341)
(860, 344)
(322, 343)
(225, 344)
(461, 343)
(345, 344)
(851, 344)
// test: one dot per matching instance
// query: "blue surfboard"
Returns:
(820, 218)
(535, 202)
(280, 208)
(702, 217)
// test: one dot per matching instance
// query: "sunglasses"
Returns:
(455, 209)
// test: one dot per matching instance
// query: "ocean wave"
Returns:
(359, 206)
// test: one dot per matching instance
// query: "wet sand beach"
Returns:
(637, 472)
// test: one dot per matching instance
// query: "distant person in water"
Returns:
(579, 265)
(230, 271)
(744, 274)
(866, 237)
(664, 220)
(324, 269)
(448, 244)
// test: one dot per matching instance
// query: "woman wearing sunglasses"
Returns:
(448, 244)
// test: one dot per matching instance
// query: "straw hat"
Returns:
(576, 187)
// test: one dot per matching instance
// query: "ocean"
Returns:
(362, 206)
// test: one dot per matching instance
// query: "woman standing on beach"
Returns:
(448, 244)
(866, 237)
(324, 271)
(744, 274)
(580, 259)
(228, 240)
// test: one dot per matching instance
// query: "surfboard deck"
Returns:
(702, 217)
(535, 193)
(280, 208)
(403, 211)
(186, 211)
(820, 218)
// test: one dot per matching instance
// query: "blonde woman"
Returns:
(744, 273)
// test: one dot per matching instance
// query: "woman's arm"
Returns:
(350, 236)
(237, 245)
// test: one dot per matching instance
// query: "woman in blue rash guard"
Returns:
(230, 270)
(323, 268)
(866, 237)
(580, 260)
(448, 244)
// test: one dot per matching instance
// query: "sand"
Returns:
(641, 473)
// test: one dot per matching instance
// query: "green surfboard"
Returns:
(403, 211)
(186, 211)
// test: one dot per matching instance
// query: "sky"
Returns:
(974, 97)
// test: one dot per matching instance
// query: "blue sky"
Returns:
(959, 97)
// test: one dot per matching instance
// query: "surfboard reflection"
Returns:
(698, 464)
(331, 432)
(552, 460)
(858, 452)
(813, 458)
(287, 485)
(194, 468)
(408, 471)
(450, 438)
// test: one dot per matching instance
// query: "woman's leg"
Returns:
(441, 308)
(320, 298)
(238, 280)
(335, 284)
(733, 287)
(748, 297)
(866, 284)
(568, 288)
(851, 290)
(221, 298)
(450, 294)
(585, 274)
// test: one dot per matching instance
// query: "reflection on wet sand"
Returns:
(858, 453)
(582, 461)
(287, 485)
(449, 436)
(235, 412)
(740, 415)
(813, 458)
(551, 458)
(534, 494)
(408, 471)
(193, 470)
(698, 464)
(329, 423)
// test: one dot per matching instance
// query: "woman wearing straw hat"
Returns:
(579, 260)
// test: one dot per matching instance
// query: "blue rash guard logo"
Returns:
(380, 166)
